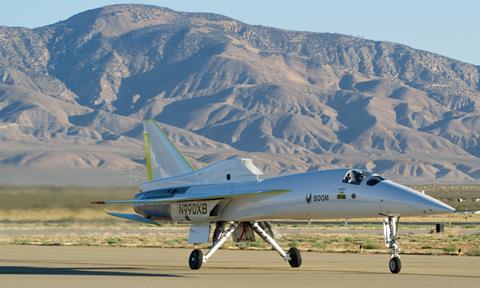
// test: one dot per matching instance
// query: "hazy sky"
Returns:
(450, 28)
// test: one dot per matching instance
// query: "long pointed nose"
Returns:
(432, 205)
(421, 203)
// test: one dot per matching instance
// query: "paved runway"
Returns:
(40, 266)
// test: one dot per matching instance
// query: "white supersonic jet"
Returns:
(232, 195)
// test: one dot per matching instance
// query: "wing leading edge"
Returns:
(199, 197)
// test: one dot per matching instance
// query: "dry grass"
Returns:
(440, 218)
(451, 193)
(52, 203)
(65, 197)
(56, 214)
(304, 238)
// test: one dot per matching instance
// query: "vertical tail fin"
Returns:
(162, 156)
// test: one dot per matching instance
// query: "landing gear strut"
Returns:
(390, 224)
(293, 255)
(197, 258)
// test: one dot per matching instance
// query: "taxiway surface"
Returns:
(67, 266)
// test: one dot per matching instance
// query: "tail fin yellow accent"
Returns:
(148, 160)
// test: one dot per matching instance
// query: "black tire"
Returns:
(196, 259)
(295, 257)
(395, 265)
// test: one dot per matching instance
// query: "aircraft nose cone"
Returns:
(420, 203)
(428, 204)
(436, 206)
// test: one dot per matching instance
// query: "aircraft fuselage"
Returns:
(312, 195)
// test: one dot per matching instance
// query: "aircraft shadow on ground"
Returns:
(82, 271)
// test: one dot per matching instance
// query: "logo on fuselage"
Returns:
(316, 198)
(308, 198)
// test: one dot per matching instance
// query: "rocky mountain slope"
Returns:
(73, 94)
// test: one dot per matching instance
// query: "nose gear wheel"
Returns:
(390, 225)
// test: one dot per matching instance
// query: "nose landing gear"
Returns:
(395, 264)
(390, 224)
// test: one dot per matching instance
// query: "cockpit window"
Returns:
(374, 180)
(354, 177)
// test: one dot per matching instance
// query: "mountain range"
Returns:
(73, 95)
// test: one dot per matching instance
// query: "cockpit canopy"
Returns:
(356, 177)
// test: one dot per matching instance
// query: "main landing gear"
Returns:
(293, 255)
(390, 236)
(197, 258)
